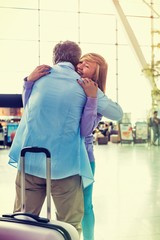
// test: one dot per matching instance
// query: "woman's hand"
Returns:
(90, 87)
(39, 72)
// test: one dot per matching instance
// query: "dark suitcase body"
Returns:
(102, 140)
(25, 226)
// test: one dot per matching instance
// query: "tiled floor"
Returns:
(126, 191)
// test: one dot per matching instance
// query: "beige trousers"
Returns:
(67, 195)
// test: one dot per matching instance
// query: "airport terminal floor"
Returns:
(126, 191)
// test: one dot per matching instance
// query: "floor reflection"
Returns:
(126, 191)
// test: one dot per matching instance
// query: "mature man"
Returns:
(52, 120)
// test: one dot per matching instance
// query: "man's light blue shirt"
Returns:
(51, 119)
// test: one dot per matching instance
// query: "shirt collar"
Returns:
(70, 65)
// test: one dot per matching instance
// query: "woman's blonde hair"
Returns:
(100, 75)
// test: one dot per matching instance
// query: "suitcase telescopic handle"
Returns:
(35, 150)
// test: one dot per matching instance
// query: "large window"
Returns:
(29, 29)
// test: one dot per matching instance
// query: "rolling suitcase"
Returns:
(26, 226)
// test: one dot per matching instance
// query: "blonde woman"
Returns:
(92, 66)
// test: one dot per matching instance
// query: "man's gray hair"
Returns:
(67, 51)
